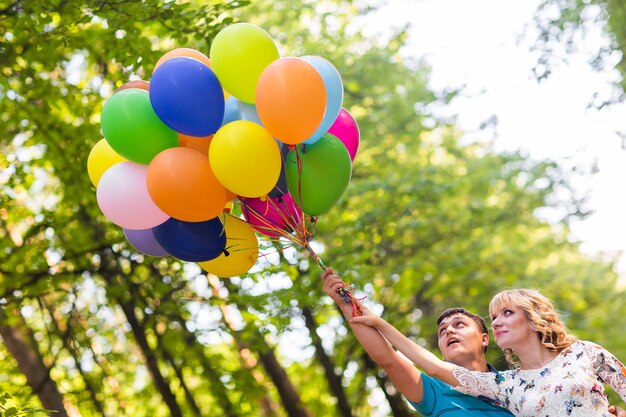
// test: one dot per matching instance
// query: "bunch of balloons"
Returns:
(245, 127)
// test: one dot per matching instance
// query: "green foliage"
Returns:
(9, 408)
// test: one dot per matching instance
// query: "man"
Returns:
(462, 339)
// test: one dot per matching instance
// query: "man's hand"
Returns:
(616, 411)
(331, 282)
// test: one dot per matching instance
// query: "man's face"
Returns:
(460, 339)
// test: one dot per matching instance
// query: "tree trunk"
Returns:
(65, 337)
(211, 374)
(396, 401)
(179, 373)
(20, 342)
(289, 396)
(151, 360)
(334, 380)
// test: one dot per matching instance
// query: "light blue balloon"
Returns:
(248, 112)
(231, 111)
(334, 94)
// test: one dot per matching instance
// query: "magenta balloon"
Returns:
(346, 129)
(271, 217)
(123, 197)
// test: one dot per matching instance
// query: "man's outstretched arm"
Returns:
(405, 377)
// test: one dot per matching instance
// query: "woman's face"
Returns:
(510, 327)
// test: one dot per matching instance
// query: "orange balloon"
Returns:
(199, 143)
(186, 52)
(182, 184)
(291, 99)
(230, 196)
(140, 84)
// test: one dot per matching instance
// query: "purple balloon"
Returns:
(346, 129)
(144, 242)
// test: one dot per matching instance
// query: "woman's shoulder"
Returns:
(580, 347)
(586, 345)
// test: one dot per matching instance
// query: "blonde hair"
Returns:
(542, 316)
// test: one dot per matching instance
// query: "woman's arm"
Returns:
(421, 357)
(608, 368)
(406, 378)
(474, 383)
(469, 382)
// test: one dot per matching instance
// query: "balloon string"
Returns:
(294, 228)
(345, 292)
(266, 225)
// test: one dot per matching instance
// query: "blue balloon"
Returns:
(187, 97)
(334, 94)
(192, 241)
(231, 111)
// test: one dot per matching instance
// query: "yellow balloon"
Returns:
(101, 158)
(242, 247)
(239, 53)
(245, 158)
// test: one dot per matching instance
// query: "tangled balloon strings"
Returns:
(295, 229)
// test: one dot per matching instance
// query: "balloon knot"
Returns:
(226, 253)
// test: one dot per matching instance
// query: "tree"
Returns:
(562, 25)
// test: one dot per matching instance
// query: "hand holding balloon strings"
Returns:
(344, 292)
(288, 220)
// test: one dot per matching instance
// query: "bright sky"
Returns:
(477, 44)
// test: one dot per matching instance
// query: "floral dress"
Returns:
(572, 384)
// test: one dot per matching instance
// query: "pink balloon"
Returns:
(346, 129)
(272, 215)
(123, 197)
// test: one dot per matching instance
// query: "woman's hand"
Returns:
(368, 318)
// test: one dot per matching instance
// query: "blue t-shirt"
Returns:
(441, 400)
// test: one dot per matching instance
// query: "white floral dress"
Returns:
(572, 384)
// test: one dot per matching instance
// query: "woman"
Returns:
(553, 374)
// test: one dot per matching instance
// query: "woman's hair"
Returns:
(542, 316)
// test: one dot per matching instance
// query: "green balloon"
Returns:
(325, 174)
(133, 129)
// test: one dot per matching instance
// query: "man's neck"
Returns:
(475, 364)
